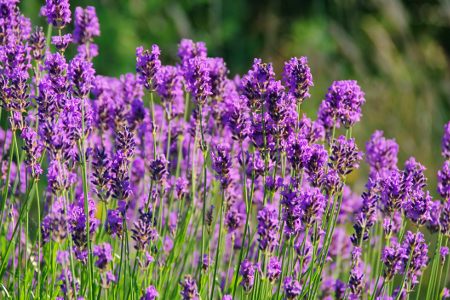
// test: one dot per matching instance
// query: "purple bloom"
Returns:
(443, 186)
(381, 153)
(188, 49)
(217, 74)
(33, 150)
(237, 117)
(81, 73)
(147, 66)
(114, 222)
(297, 77)
(170, 88)
(342, 104)
(158, 168)
(446, 141)
(247, 271)
(221, 164)
(366, 217)
(391, 191)
(292, 288)
(197, 78)
(103, 253)
(414, 179)
(67, 282)
(417, 253)
(150, 293)
(315, 164)
(62, 42)
(312, 204)
(256, 82)
(393, 258)
(298, 151)
(355, 282)
(268, 228)
(37, 43)
(57, 12)
(233, 219)
(189, 289)
(345, 155)
(443, 252)
(86, 25)
(143, 232)
(417, 208)
(273, 269)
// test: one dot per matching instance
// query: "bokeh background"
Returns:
(399, 51)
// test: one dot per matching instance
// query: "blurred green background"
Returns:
(397, 50)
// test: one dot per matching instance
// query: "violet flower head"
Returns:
(367, 215)
(342, 104)
(86, 25)
(391, 191)
(81, 73)
(417, 208)
(312, 204)
(292, 212)
(57, 12)
(233, 220)
(393, 258)
(217, 73)
(144, 232)
(443, 252)
(443, 186)
(237, 118)
(61, 42)
(150, 293)
(255, 83)
(446, 141)
(158, 168)
(221, 164)
(197, 77)
(147, 65)
(268, 228)
(297, 151)
(247, 271)
(315, 164)
(104, 256)
(114, 222)
(169, 87)
(355, 282)
(37, 43)
(273, 269)
(345, 155)
(297, 78)
(188, 49)
(33, 149)
(414, 179)
(417, 253)
(292, 288)
(381, 153)
(189, 290)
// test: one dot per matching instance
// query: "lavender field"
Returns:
(187, 181)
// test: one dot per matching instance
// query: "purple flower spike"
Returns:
(86, 25)
(57, 12)
(417, 252)
(198, 81)
(381, 154)
(147, 65)
(342, 104)
(273, 269)
(443, 187)
(103, 253)
(150, 293)
(292, 288)
(188, 49)
(189, 289)
(268, 228)
(297, 77)
(221, 164)
(446, 142)
(247, 271)
(345, 155)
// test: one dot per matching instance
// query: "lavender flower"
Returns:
(381, 154)
(297, 77)
(342, 104)
(443, 186)
(147, 66)
(150, 293)
(312, 204)
(443, 252)
(345, 155)
(446, 142)
(57, 12)
(315, 164)
(256, 82)
(114, 222)
(62, 42)
(33, 149)
(188, 49)
(416, 254)
(103, 253)
(268, 228)
(86, 25)
(292, 288)
(37, 43)
(81, 73)
(189, 289)
(143, 232)
(233, 220)
(197, 77)
(221, 164)
(393, 258)
(158, 168)
(273, 269)
(247, 271)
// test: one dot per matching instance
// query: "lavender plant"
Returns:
(178, 182)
